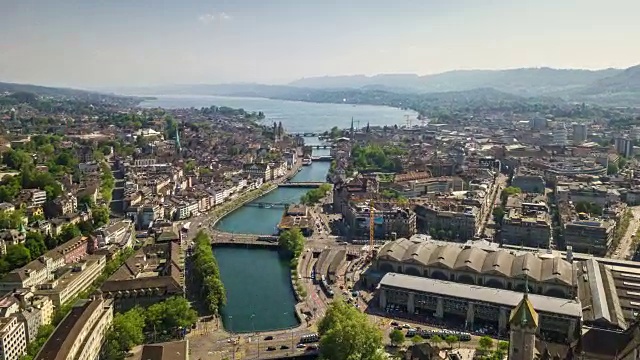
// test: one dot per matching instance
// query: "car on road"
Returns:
(312, 347)
(268, 337)
(284, 347)
(301, 346)
(271, 348)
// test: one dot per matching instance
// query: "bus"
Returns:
(309, 338)
(325, 287)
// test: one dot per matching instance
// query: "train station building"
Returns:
(559, 318)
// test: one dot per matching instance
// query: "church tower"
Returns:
(524, 325)
(351, 131)
(178, 146)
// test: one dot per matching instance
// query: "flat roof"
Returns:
(502, 297)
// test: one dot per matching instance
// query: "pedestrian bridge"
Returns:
(309, 185)
(325, 158)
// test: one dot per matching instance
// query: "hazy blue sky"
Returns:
(141, 42)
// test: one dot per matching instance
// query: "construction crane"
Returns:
(372, 225)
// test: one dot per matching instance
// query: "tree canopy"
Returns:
(292, 241)
(347, 334)
(314, 196)
(207, 273)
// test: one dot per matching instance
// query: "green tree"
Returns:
(417, 339)
(11, 219)
(450, 340)
(397, 337)
(17, 256)
(509, 191)
(436, 340)
(498, 214)
(612, 169)
(173, 313)
(346, 333)
(100, 216)
(34, 242)
(17, 159)
(292, 241)
(622, 162)
(126, 330)
(207, 273)
(68, 232)
(485, 344)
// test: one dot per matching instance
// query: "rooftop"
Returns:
(499, 297)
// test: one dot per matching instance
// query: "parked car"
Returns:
(268, 337)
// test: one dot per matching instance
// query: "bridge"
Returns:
(318, 146)
(267, 205)
(308, 185)
(229, 239)
(309, 134)
(324, 158)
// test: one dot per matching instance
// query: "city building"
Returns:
(528, 180)
(560, 135)
(174, 350)
(559, 318)
(538, 123)
(389, 219)
(72, 279)
(580, 133)
(151, 275)
(13, 339)
(262, 171)
(529, 225)
(81, 334)
(624, 146)
(469, 264)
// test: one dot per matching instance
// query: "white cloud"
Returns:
(213, 17)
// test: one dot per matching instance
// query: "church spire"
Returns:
(524, 315)
(178, 146)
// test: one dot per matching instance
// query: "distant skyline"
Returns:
(112, 43)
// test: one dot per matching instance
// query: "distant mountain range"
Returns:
(524, 82)
(607, 87)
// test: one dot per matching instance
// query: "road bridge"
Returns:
(245, 240)
(301, 184)
(267, 205)
(324, 158)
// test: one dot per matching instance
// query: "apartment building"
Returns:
(390, 220)
(589, 235)
(81, 334)
(32, 197)
(73, 280)
(262, 171)
(454, 219)
(13, 339)
(529, 225)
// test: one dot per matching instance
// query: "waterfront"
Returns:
(295, 116)
(258, 283)
(260, 221)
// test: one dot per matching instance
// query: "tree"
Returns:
(34, 242)
(485, 344)
(450, 340)
(69, 232)
(100, 216)
(417, 339)
(397, 337)
(436, 340)
(346, 333)
(126, 330)
(292, 241)
(17, 256)
(509, 191)
(622, 162)
(207, 273)
(612, 169)
(498, 214)
(17, 159)
(175, 312)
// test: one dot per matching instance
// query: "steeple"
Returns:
(178, 146)
(524, 315)
(523, 323)
(351, 130)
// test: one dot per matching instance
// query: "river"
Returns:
(259, 292)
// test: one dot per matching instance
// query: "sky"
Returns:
(98, 43)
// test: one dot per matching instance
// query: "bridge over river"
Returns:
(302, 184)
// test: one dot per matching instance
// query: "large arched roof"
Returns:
(473, 259)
